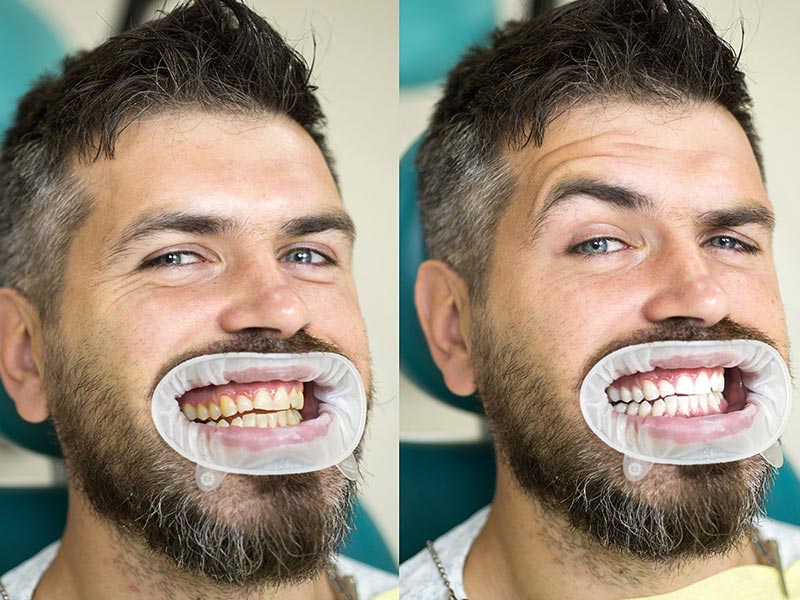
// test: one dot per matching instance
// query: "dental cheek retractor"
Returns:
(262, 429)
(689, 403)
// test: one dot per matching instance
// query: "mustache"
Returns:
(683, 330)
(301, 342)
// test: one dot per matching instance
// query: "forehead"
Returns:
(678, 155)
(267, 168)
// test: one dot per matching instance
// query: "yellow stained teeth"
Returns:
(262, 420)
(223, 423)
(296, 399)
(213, 411)
(281, 399)
(282, 422)
(249, 420)
(243, 403)
(202, 412)
(263, 400)
(237, 422)
(293, 417)
(227, 406)
(189, 412)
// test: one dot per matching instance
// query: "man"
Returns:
(170, 196)
(591, 180)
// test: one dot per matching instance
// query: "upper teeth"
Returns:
(285, 403)
(661, 388)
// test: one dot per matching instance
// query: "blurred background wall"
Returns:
(354, 48)
(770, 48)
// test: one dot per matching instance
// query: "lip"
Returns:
(696, 361)
(684, 430)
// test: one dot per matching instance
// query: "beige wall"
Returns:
(770, 52)
(356, 70)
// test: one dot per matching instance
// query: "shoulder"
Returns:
(419, 574)
(370, 582)
(787, 536)
(23, 579)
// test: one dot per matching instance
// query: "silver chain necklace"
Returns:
(438, 562)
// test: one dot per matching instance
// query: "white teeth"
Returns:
(202, 412)
(650, 390)
(633, 408)
(621, 407)
(625, 394)
(637, 394)
(613, 394)
(189, 412)
(659, 406)
(714, 402)
(243, 403)
(645, 408)
(671, 403)
(702, 384)
(683, 405)
(213, 411)
(694, 404)
(703, 403)
(249, 420)
(665, 388)
(223, 423)
(718, 381)
(227, 406)
(684, 385)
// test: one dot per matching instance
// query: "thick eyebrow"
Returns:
(619, 196)
(150, 225)
(330, 221)
(750, 214)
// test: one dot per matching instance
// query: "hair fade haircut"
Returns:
(502, 96)
(216, 56)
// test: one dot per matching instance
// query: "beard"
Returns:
(251, 531)
(676, 512)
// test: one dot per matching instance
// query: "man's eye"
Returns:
(728, 242)
(598, 246)
(173, 259)
(307, 256)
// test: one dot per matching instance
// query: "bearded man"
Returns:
(168, 201)
(591, 191)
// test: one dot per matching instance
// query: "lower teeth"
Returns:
(672, 406)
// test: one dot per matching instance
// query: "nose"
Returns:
(263, 298)
(685, 286)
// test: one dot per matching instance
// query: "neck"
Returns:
(96, 560)
(526, 551)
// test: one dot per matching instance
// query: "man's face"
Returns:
(631, 223)
(208, 234)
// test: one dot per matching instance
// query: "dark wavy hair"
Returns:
(208, 55)
(504, 94)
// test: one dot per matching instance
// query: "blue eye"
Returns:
(173, 259)
(728, 242)
(307, 256)
(598, 246)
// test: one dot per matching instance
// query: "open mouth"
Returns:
(679, 392)
(693, 402)
(265, 404)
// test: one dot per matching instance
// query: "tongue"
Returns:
(735, 392)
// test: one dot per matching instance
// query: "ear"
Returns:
(443, 308)
(20, 370)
